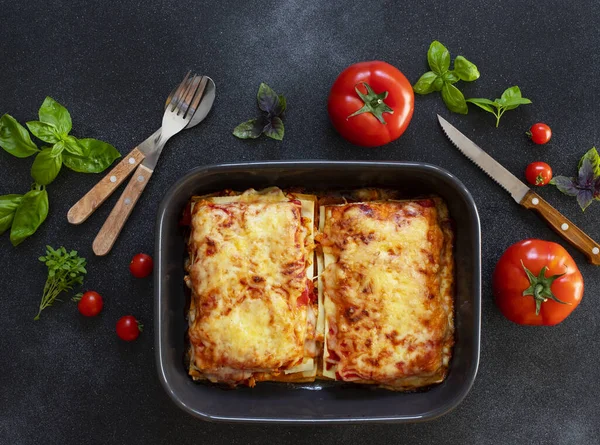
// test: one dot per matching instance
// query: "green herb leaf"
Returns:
(465, 70)
(594, 158)
(425, 84)
(454, 99)
(281, 106)
(15, 139)
(65, 270)
(46, 166)
(484, 104)
(8, 207)
(268, 100)
(73, 146)
(45, 132)
(30, 214)
(53, 113)
(97, 156)
(450, 77)
(250, 129)
(438, 58)
(58, 148)
(274, 129)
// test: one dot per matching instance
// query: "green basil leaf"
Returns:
(30, 214)
(45, 132)
(8, 207)
(594, 158)
(58, 148)
(438, 58)
(53, 113)
(274, 129)
(250, 129)
(425, 84)
(484, 104)
(268, 99)
(511, 93)
(281, 106)
(450, 77)
(73, 146)
(15, 139)
(46, 166)
(438, 84)
(454, 99)
(97, 156)
(513, 103)
(465, 70)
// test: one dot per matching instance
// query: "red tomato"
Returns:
(537, 283)
(371, 103)
(538, 173)
(141, 265)
(90, 304)
(128, 328)
(539, 133)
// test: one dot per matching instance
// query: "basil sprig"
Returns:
(53, 127)
(586, 185)
(269, 124)
(23, 214)
(442, 78)
(510, 99)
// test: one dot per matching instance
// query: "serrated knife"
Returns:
(523, 194)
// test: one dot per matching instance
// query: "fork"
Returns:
(176, 117)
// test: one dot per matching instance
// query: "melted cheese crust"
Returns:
(250, 269)
(387, 290)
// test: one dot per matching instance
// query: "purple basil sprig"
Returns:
(586, 186)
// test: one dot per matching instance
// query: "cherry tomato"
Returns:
(371, 103)
(90, 304)
(141, 265)
(128, 328)
(537, 283)
(538, 173)
(539, 133)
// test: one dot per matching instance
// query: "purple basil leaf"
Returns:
(597, 188)
(250, 129)
(267, 98)
(566, 185)
(274, 129)
(586, 175)
(584, 198)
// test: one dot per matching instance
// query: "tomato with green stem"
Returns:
(128, 328)
(539, 133)
(89, 304)
(371, 103)
(537, 282)
(538, 173)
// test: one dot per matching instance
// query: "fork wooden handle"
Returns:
(104, 188)
(120, 213)
(563, 226)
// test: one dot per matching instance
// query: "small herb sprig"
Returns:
(586, 186)
(65, 270)
(510, 99)
(23, 214)
(270, 125)
(442, 78)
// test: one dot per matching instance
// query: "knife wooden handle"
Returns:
(104, 188)
(116, 220)
(563, 226)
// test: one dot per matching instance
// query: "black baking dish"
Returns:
(323, 402)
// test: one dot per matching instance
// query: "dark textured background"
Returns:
(65, 379)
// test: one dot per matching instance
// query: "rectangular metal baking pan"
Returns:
(320, 402)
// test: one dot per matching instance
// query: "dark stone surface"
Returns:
(66, 380)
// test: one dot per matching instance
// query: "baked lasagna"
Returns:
(386, 278)
(253, 312)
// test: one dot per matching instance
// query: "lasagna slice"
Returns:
(252, 314)
(386, 283)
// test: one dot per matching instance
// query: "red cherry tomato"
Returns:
(538, 173)
(141, 265)
(537, 283)
(128, 328)
(539, 133)
(371, 103)
(90, 304)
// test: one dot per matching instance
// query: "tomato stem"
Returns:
(540, 287)
(374, 103)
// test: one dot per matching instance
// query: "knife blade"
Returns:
(522, 193)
